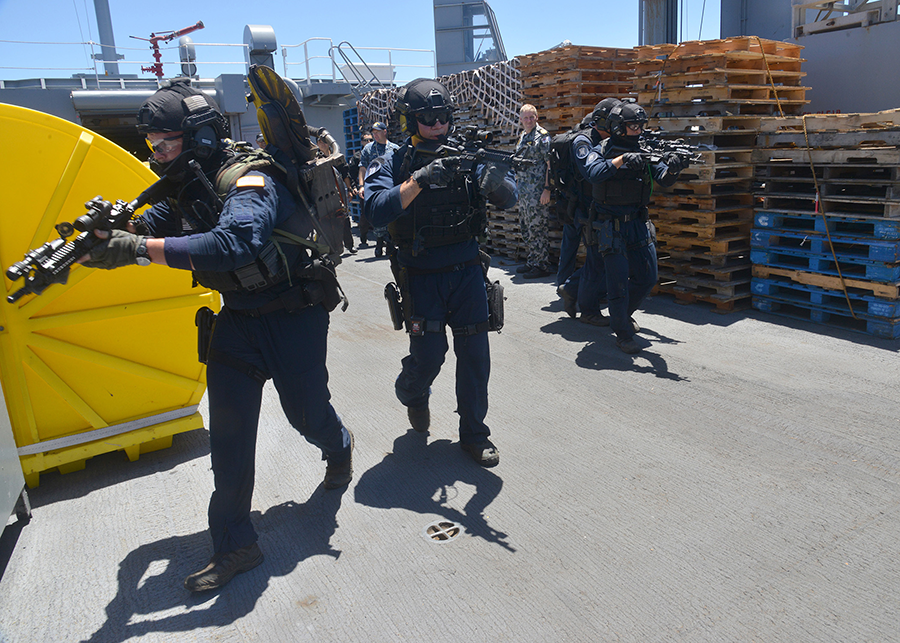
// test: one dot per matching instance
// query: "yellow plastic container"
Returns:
(107, 361)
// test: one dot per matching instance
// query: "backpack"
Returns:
(564, 179)
(314, 181)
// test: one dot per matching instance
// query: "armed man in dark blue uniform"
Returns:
(621, 181)
(586, 287)
(435, 215)
(277, 300)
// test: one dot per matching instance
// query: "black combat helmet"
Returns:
(179, 107)
(599, 117)
(424, 98)
(623, 114)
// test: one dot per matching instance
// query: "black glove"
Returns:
(439, 172)
(492, 177)
(632, 161)
(676, 163)
(117, 251)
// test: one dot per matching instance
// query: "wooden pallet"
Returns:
(580, 92)
(721, 246)
(671, 206)
(743, 44)
(774, 67)
(885, 156)
(709, 124)
(723, 93)
(861, 139)
(849, 174)
(888, 119)
(704, 232)
(720, 186)
(736, 270)
(653, 82)
(726, 108)
(590, 76)
(833, 205)
(665, 217)
(878, 289)
(723, 303)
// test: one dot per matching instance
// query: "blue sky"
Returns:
(363, 24)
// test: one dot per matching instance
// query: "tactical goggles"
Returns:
(429, 119)
(163, 145)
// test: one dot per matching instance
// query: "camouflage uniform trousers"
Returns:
(534, 220)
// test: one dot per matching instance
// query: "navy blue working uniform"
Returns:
(618, 220)
(248, 347)
(588, 283)
(447, 289)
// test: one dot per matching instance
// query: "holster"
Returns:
(495, 305)
(495, 296)
(205, 319)
(395, 304)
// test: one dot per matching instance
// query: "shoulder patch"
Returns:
(254, 181)
(582, 148)
(374, 166)
(593, 156)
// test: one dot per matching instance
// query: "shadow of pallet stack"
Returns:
(713, 94)
(826, 241)
(564, 84)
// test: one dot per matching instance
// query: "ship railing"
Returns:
(319, 60)
(129, 65)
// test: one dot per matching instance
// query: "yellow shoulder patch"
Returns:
(255, 181)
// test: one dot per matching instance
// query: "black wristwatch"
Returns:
(141, 256)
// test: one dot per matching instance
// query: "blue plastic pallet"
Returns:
(826, 298)
(851, 226)
(879, 328)
(844, 247)
(796, 259)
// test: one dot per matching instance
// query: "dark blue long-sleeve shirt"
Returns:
(383, 205)
(253, 207)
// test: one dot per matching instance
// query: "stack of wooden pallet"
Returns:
(566, 83)
(713, 94)
(826, 241)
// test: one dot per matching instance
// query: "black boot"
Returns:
(223, 567)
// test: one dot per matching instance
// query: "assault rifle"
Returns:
(654, 148)
(50, 263)
(469, 148)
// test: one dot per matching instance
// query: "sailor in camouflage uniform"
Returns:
(534, 195)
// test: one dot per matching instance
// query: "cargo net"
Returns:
(494, 92)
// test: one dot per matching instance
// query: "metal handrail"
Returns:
(98, 60)
(335, 74)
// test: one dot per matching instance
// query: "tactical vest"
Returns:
(285, 254)
(625, 187)
(439, 216)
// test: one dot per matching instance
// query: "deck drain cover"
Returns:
(442, 531)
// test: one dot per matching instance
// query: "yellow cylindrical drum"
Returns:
(107, 361)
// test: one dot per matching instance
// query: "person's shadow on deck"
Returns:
(151, 595)
(422, 478)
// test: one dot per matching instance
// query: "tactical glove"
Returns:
(676, 163)
(117, 251)
(492, 177)
(439, 172)
(632, 161)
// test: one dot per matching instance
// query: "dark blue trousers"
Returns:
(631, 273)
(289, 348)
(568, 251)
(459, 299)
